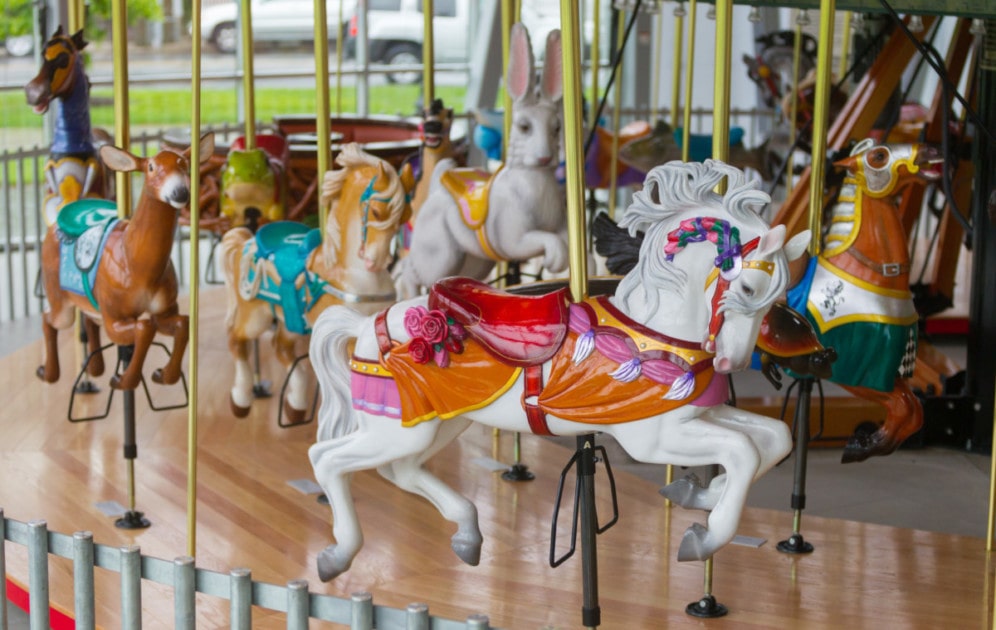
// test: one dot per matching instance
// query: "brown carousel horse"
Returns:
(119, 271)
(290, 272)
(73, 170)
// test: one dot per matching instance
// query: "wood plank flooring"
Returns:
(860, 576)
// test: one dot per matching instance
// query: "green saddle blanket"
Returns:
(79, 216)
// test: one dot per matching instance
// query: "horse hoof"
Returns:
(159, 376)
(861, 446)
(693, 544)
(118, 382)
(467, 550)
(682, 491)
(329, 566)
(294, 415)
(237, 411)
(43, 375)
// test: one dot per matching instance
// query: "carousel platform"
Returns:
(861, 575)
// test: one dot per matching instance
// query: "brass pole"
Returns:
(617, 106)
(689, 73)
(338, 65)
(122, 132)
(195, 185)
(596, 62)
(507, 11)
(324, 147)
(679, 32)
(428, 58)
(821, 108)
(247, 75)
(794, 100)
(574, 150)
(845, 45)
(721, 84)
(77, 15)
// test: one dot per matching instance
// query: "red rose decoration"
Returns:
(420, 350)
(433, 326)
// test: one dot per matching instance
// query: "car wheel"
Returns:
(403, 55)
(19, 45)
(225, 37)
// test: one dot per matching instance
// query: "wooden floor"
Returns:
(860, 576)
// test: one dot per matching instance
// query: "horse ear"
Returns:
(407, 177)
(797, 244)
(771, 241)
(520, 64)
(58, 31)
(118, 159)
(78, 40)
(552, 85)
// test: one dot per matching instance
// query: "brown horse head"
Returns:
(368, 189)
(884, 169)
(56, 76)
(436, 123)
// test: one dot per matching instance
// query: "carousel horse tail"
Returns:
(231, 250)
(329, 353)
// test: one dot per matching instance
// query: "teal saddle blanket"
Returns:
(286, 245)
(83, 228)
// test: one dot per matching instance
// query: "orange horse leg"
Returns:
(49, 372)
(141, 333)
(283, 345)
(96, 365)
(904, 417)
(178, 327)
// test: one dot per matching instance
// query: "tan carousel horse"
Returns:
(290, 273)
(119, 271)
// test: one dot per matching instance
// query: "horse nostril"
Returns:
(181, 196)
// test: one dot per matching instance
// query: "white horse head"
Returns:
(717, 293)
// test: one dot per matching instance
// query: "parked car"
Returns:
(395, 31)
(285, 21)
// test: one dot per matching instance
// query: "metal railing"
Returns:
(294, 600)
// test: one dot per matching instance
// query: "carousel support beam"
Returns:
(247, 78)
(616, 108)
(132, 518)
(679, 32)
(362, 60)
(689, 75)
(821, 117)
(428, 58)
(795, 543)
(324, 148)
(122, 131)
(338, 63)
(596, 62)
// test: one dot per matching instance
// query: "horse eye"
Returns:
(524, 127)
(748, 290)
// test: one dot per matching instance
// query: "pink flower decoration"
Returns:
(413, 320)
(441, 357)
(433, 327)
(420, 350)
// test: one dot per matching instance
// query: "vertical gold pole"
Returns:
(247, 75)
(845, 45)
(574, 150)
(338, 66)
(794, 102)
(77, 15)
(322, 101)
(428, 59)
(821, 108)
(721, 85)
(617, 106)
(195, 265)
(679, 32)
(122, 131)
(689, 73)
(507, 11)
(596, 62)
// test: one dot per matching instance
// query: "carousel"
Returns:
(449, 364)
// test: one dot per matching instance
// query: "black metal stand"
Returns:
(707, 607)
(518, 471)
(584, 510)
(283, 399)
(84, 385)
(132, 519)
(795, 543)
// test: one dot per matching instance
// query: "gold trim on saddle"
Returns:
(645, 343)
(370, 368)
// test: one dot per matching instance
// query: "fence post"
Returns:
(38, 575)
(417, 617)
(241, 604)
(478, 622)
(131, 587)
(363, 614)
(297, 605)
(83, 596)
(184, 589)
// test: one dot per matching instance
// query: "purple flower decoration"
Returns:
(584, 346)
(628, 371)
(681, 388)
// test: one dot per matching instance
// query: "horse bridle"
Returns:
(727, 265)
(368, 196)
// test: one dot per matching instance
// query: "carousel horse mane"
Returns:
(687, 186)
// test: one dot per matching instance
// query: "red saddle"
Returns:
(516, 329)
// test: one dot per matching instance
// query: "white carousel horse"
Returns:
(643, 365)
(470, 219)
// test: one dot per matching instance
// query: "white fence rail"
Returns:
(294, 600)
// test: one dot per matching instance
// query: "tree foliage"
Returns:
(16, 16)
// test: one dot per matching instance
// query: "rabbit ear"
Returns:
(520, 64)
(552, 85)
